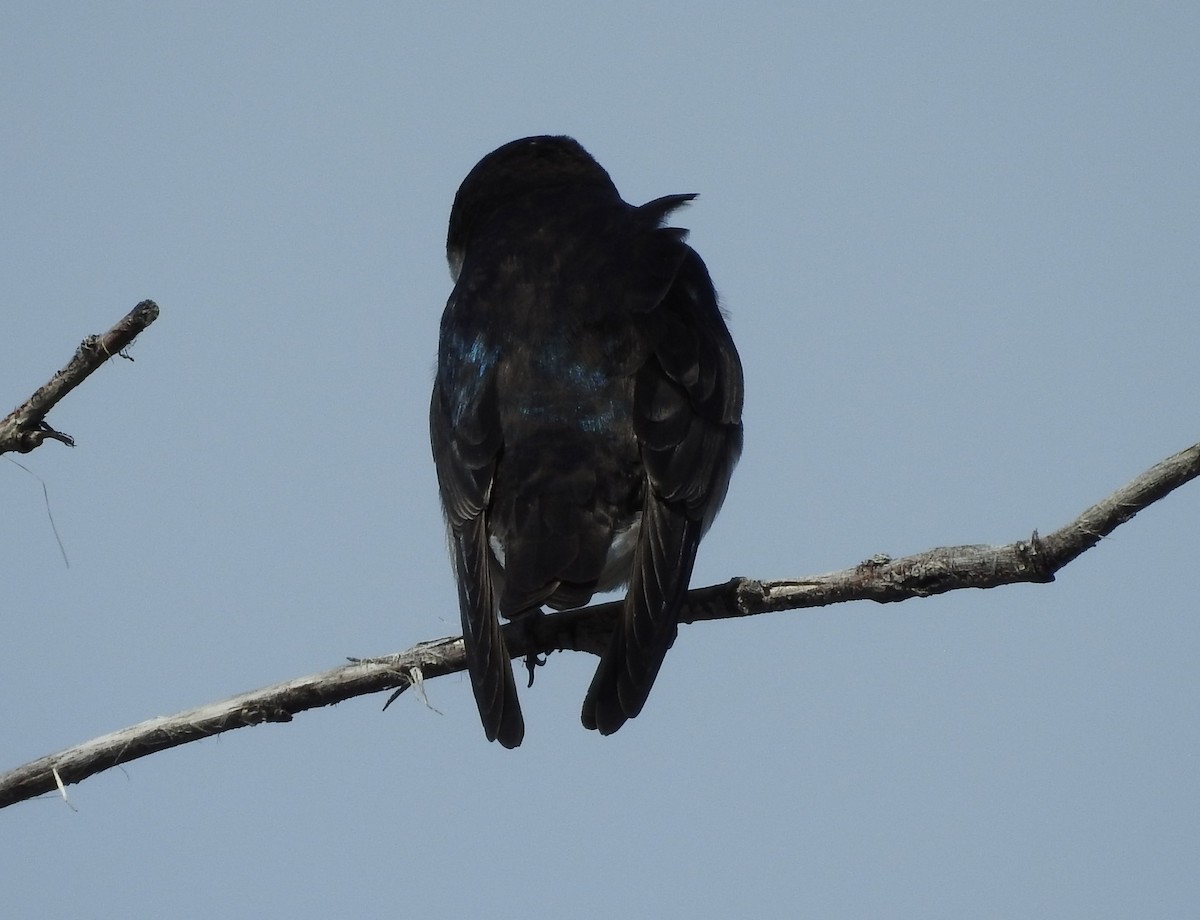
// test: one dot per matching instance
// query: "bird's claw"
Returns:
(532, 662)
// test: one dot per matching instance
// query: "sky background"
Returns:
(958, 246)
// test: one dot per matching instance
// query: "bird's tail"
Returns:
(646, 628)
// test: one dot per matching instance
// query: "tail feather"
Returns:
(649, 620)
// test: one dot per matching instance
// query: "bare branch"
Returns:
(25, 428)
(276, 703)
(880, 579)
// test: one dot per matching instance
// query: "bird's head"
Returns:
(513, 172)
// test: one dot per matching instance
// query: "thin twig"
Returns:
(25, 428)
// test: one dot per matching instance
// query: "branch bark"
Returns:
(25, 428)
(880, 578)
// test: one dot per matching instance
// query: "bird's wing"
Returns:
(687, 417)
(466, 438)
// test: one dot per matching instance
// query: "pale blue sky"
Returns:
(958, 245)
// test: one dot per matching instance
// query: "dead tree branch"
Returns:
(25, 428)
(881, 579)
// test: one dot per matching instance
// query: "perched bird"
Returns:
(586, 416)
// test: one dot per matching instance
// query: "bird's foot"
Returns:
(532, 662)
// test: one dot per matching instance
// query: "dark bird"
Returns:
(586, 416)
